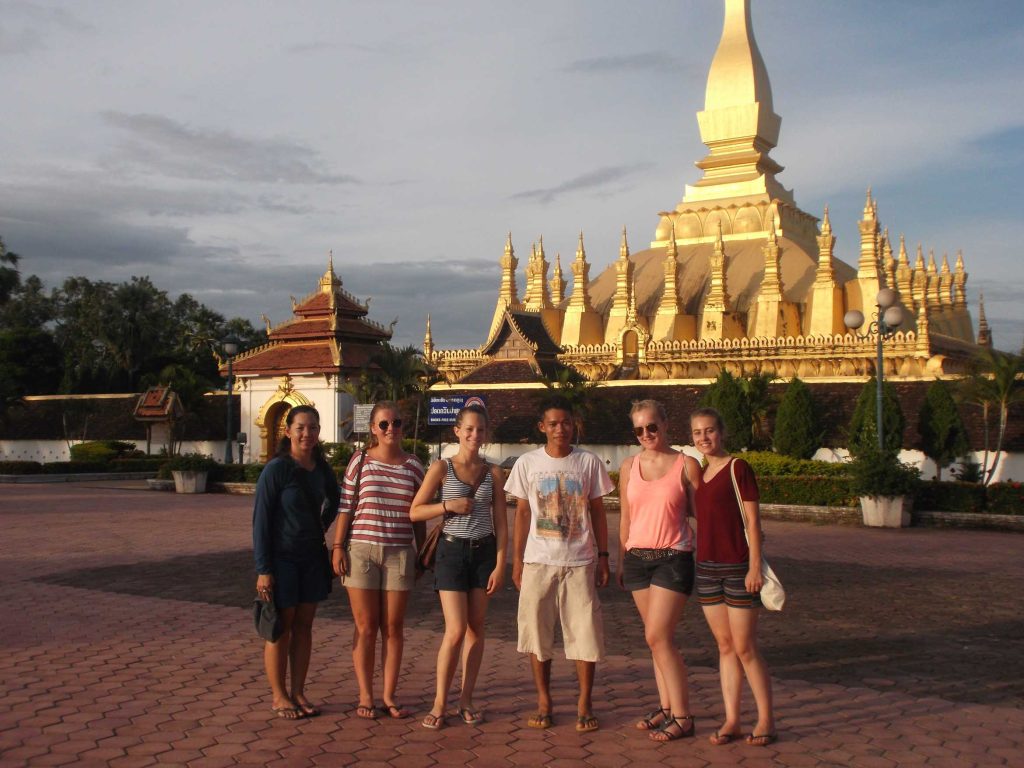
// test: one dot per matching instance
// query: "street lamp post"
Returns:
(886, 320)
(230, 347)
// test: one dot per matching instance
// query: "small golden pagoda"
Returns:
(737, 275)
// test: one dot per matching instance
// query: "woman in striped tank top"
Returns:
(470, 564)
(656, 546)
(375, 553)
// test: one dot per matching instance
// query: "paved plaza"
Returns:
(127, 641)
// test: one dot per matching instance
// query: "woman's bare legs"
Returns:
(664, 610)
(366, 615)
(455, 608)
(275, 660)
(300, 652)
(473, 649)
(392, 631)
(641, 598)
(735, 631)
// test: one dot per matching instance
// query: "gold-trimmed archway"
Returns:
(269, 412)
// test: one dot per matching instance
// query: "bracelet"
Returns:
(338, 545)
(444, 506)
(602, 554)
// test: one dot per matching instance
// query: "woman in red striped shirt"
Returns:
(374, 553)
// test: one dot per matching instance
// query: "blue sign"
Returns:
(443, 410)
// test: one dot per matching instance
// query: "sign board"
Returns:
(361, 417)
(444, 409)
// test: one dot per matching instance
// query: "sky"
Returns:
(225, 148)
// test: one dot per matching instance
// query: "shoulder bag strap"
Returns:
(739, 497)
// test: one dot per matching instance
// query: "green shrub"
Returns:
(74, 467)
(227, 473)
(417, 447)
(20, 467)
(880, 473)
(1005, 498)
(101, 450)
(862, 433)
(934, 496)
(338, 454)
(151, 464)
(191, 462)
(833, 491)
(943, 435)
(765, 463)
(252, 472)
(797, 430)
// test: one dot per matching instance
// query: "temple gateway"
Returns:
(736, 277)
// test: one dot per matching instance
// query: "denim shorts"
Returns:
(674, 572)
(464, 564)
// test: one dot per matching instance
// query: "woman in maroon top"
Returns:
(729, 577)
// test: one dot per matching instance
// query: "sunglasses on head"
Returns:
(383, 424)
(650, 428)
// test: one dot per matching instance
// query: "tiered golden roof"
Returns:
(737, 275)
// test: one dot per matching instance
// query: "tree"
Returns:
(401, 369)
(994, 385)
(759, 401)
(862, 434)
(10, 278)
(798, 431)
(943, 435)
(726, 396)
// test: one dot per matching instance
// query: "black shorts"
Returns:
(464, 564)
(301, 580)
(674, 571)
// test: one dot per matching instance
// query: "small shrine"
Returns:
(328, 340)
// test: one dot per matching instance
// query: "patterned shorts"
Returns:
(725, 583)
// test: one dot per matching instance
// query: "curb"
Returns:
(76, 478)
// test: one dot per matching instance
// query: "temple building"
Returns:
(736, 276)
(306, 361)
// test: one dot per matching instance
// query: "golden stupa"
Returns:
(737, 275)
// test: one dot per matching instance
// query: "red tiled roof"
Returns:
(275, 358)
(502, 372)
(158, 404)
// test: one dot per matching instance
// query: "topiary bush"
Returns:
(880, 473)
(101, 450)
(862, 433)
(726, 396)
(74, 467)
(765, 463)
(797, 430)
(417, 447)
(151, 464)
(942, 431)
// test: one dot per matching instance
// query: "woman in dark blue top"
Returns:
(296, 501)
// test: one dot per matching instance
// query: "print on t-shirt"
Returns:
(563, 505)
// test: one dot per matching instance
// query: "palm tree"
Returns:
(577, 389)
(996, 384)
(401, 369)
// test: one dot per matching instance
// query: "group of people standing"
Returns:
(559, 554)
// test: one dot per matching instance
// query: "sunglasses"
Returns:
(650, 428)
(383, 424)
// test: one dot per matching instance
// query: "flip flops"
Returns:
(395, 711)
(367, 712)
(762, 740)
(433, 722)
(288, 713)
(469, 717)
(586, 724)
(541, 721)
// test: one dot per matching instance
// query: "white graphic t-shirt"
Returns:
(559, 492)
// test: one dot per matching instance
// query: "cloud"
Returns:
(19, 42)
(158, 144)
(592, 180)
(652, 61)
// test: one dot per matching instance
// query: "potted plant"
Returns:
(189, 471)
(885, 486)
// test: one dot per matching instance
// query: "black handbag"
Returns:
(266, 620)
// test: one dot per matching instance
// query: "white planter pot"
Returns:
(886, 511)
(189, 481)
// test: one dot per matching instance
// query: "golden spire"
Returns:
(984, 332)
(580, 299)
(738, 124)
(509, 265)
(826, 244)
(888, 262)
(718, 296)
(770, 285)
(329, 281)
(959, 282)
(920, 280)
(945, 282)
(869, 206)
(624, 246)
(670, 296)
(557, 283)
(904, 275)
(623, 279)
(867, 267)
(932, 299)
(428, 342)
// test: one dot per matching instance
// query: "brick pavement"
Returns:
(127, 644)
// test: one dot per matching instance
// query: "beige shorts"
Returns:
(567, 594)
(374, 566)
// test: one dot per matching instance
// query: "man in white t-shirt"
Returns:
(560, 556)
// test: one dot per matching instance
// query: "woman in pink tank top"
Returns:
(656, 555)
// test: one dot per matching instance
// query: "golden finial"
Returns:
(932, 269)
(959, 261)
(540, 247)
(624, 247)
(581, 253)
(919, 262)
(826, 224)
(945, 264)
(903, 251)
(869, 206)
(508, 246)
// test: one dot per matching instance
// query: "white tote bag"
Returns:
(773, 596)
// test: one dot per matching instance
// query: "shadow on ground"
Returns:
(929, 632)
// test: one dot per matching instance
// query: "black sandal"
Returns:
(674, 729)
(652, 721)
